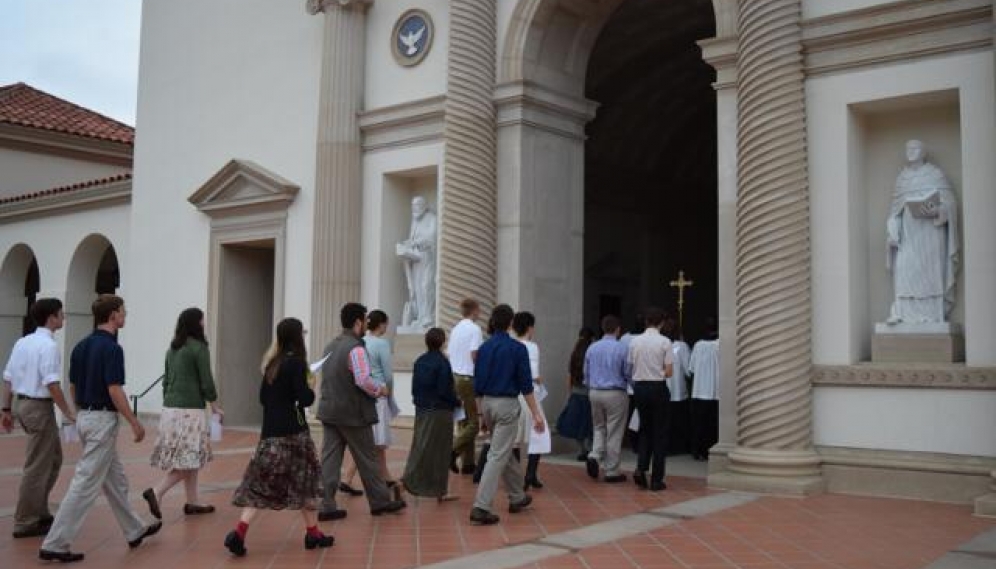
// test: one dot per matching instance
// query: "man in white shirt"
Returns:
(704, 368)
(651, 359)
(465, 339)
(32, 375)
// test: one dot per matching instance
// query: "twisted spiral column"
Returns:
(467, 248)
(338, 186)
(774, 361)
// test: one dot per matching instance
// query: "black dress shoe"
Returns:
(153, 502)
(47, 520)
(534, 482)
(591, 465)
(150, 531)
(657, 486)
(60, 556)
(615, 478)
(331, 515)
(479, 517)
(197, 509)
(583, 457)
(468, 468)
(640, 479)
(234, 544)
(516, 507)
(347, 489)
(34, 530)
(389, 508)
(323, 540)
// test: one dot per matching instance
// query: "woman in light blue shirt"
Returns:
(381, 370)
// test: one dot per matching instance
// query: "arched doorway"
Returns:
(19, 286)
(650, 172)
(93, 270)
(585, 91)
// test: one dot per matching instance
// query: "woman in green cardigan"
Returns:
(183, 446)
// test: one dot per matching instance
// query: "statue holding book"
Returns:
(923, 241)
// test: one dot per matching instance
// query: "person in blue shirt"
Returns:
(501, 373)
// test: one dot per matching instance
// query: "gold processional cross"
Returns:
(680, 284)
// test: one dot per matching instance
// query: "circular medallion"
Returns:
(412, 37)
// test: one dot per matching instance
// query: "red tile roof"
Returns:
(66, 189)
(23, 105)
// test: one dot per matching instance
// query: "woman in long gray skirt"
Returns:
(427, 470)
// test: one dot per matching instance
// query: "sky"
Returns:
(84, 51)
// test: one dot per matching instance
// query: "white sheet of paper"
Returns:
(539, 443)
(69, 434)
(540, 392)
(634, 421)
(318, 365)
(459, 414)
(216, 428)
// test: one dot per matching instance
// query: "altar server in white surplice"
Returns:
(703, 366)
(677, 383)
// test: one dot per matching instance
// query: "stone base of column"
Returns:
(985, 506)
(793, 472)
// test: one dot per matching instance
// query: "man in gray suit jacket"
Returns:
(347, 409)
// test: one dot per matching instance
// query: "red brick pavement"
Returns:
(825, 532)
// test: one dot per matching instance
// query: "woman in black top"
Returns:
(284, 473)
(427, 469)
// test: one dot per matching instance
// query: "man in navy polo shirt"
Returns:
(501, 373)
(96, 376)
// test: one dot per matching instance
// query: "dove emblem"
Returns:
(411, 39)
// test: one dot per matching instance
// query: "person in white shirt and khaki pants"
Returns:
(32, 375)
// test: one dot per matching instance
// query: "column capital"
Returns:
(315, 6)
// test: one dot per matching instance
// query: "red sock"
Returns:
(313, 531)
(242, 528)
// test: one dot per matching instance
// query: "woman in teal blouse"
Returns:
(183, 446)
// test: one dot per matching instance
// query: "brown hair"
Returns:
(104, 306)
(434, 339)
(468, 306)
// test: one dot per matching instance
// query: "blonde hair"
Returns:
(268, 356)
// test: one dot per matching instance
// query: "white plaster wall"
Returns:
(218, 80)
(54, 241)
(927, 420)
(817, 8)
(829, 99)
(27, 172)
(388, 83)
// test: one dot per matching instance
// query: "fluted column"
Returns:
(338, 187)
(773, 357)
(467, 247)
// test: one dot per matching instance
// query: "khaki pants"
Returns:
(502, 415)
(42, 461)
(467, 431)
(99, 469)
(609, 411)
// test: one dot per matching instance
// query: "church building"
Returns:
(821, 171)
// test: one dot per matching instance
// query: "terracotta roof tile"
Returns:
(66, 189)
(23, 105)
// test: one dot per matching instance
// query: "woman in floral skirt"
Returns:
(284, 473)
(183, 446)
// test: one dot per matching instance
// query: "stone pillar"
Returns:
(467, 248)
(338, 186)
(721, 54)
(773, 357)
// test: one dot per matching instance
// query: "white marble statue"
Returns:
(923, 242)
(418, 253)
